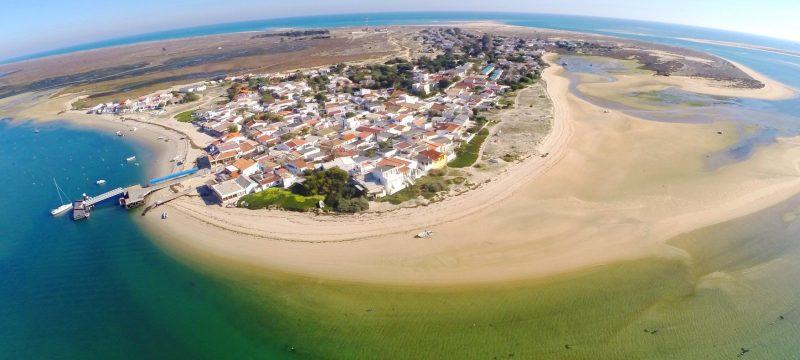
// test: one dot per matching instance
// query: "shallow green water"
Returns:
(101, 289)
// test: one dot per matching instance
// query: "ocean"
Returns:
(102, 289)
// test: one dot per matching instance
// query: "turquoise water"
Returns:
(101, 289)
(759, 122)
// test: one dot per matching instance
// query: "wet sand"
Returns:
(645, 81)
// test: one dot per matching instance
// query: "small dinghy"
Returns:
(425, 234)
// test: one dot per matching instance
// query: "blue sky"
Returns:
(35, 25)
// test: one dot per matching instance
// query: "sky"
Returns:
(31, 26)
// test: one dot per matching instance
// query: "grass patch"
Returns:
(280, 198)
(468, 153)
(185, 117)
(426, 186)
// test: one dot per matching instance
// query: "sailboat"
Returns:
(64, 206)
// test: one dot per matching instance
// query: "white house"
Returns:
(227, 190)
(390, 178)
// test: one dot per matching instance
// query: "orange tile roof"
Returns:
(243, 164)
(432, 154)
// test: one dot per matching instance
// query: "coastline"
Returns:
(744, 46)
(630, 226)
(146, 134)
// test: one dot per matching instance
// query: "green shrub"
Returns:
(280, 198)
(186, 116)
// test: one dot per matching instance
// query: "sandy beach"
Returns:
(614, 188)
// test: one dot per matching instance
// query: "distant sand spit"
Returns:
(625, 83)
(614, 188)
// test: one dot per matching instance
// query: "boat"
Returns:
(134, 128)
(101, 182)
(425, 234)
(131, 158)
(61, 209)
(36, 131)
(64, 206)
(119, 133)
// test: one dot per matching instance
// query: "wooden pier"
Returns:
(131, 197)
(104, 196)
(134, 196)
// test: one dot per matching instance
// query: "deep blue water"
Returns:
(101, 289)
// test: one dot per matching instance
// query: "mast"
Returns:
(60, 191)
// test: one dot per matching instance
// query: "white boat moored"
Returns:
(64, 206)
(101, 182)
(61, 209)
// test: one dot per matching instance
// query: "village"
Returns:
(337, 137)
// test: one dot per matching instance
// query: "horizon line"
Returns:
(98, 44)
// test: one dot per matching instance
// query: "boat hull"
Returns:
(61, 209)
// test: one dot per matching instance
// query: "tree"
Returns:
(233, 91)
(233, 128)
(338, 68)
(352, 206)
(325, 182)
(486, 43)
(189, 97)
(287, 136)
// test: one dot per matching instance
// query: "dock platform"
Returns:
(134, 196)
(80, 210)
